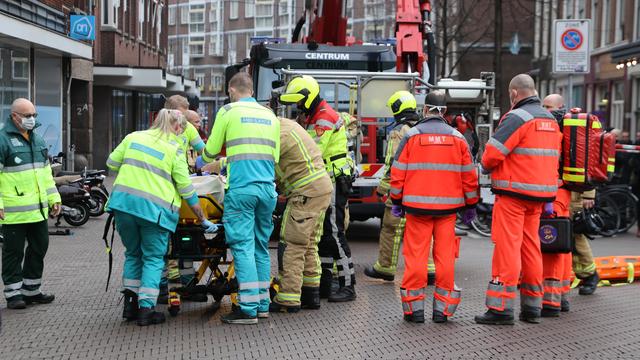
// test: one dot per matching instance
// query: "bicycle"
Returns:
(624, 201)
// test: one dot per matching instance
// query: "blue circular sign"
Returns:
(572, 39)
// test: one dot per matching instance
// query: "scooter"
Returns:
(93, 182)
(75, 200)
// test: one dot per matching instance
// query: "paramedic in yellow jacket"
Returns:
(302, 178)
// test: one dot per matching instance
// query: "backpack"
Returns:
(588, 152)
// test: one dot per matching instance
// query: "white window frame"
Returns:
(196, 41)
(234, 9)
(197, 10)
(546, 28)
(109, 15)
(15, 60)
(249, 9)
(217, 81)
(537, 44)
(184, 15)
(200, 79)
(266, 4)
(636, 26)
(172, 15)
(619, 22)
(605, 22)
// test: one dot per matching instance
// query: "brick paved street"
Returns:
(84, 322)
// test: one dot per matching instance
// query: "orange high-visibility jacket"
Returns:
(523, 153)
(432, 172)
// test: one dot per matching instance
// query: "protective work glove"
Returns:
(209, 227)
(547, 210)
(468, 216)
(397, 210)
(200, 162)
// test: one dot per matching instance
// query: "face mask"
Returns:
(558, 114)
(28, 123)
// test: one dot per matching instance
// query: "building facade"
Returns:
(608, 90)
(130, 75)
(205, 36)
(38, 61)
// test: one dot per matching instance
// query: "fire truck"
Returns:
(358, 79)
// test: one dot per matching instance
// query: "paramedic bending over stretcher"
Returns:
(152, 179)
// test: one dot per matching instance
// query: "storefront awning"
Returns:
(12, 28)
(143, 79)
(626, 52)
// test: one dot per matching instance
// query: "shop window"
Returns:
(20, 68)
(11, 87)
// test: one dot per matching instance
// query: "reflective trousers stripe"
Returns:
(446, 301)
(412, 300)
(500, 297)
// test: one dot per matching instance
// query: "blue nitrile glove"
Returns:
(397, 210)
(547, 210)
(468, 216)
(200, 162)
(210, 227)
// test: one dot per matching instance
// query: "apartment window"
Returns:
(568, 9)
(264, 14)
(110, 14)
(217, 79)
(581, 9)
(172, 15)
(349, 9)
(199, 76)
(637, 20)
(605, 23)
(619, 23)
(546, 24)
(214, 17)
(249, 9)
(374, 9)
(196, 18)
(215, 45)
(184, 15)
(233, 9)
(196, 46)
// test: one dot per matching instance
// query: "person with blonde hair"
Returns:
(151, 183)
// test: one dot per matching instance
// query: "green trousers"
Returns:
(23, 279)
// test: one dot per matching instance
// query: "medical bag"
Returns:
(588, 152)
(556, 235)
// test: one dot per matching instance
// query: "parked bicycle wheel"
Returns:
(608, 211)
(626, 203)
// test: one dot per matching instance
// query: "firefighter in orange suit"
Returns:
(522, 157)
(432, 177)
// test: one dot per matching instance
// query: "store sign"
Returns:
(571, 46)
(82, 27)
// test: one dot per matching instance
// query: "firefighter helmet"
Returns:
(301, 88)
(400, 101)
(588, 222)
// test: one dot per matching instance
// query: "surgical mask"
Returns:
(28, 123)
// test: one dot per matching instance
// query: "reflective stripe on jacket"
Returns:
(327, 129)
(250, 133)
(300, 170)
(152, 178)
(432, 172)
(523, 153)
(27, 189)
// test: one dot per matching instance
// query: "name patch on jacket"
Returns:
(545, 126)
(250, 120)
(436, 140)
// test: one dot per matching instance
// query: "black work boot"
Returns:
(415, 317)
(589, 284)
(371, 272)
(310, 298)
(564, 305)
(344, 294)
(148, 316)
(237, 316)
(549, 312)
(438, 317)
(277, 307)
(130, 310)
(492, 317)
(325, 284)
(163, 296)
(16, 302)
(431, 278)
(530, 314)
(41, 298)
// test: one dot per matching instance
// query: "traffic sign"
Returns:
(571, 46)
(82, 27)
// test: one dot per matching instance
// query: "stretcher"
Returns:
(189, 242)
(615, 270)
